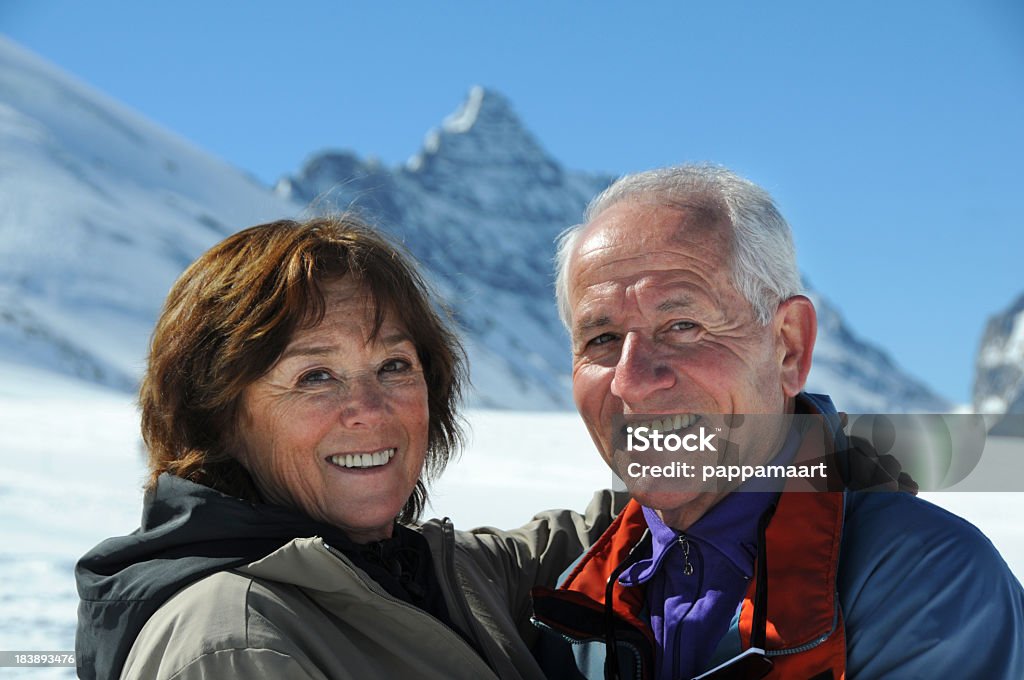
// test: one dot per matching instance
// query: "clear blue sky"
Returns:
(891, 133)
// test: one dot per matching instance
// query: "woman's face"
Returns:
(338, 426)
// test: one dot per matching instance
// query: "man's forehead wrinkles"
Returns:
(608, 255)
(665, 293)
(611, 264)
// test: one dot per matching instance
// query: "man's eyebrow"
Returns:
(676, 303)
(670, 305)
(587, 324)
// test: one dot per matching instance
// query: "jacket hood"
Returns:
(188, 532)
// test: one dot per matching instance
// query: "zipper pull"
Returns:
(687, 566)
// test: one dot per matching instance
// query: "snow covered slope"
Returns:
(999, 369)
(73, 471)
(101, 209)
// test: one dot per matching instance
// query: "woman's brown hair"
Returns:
(231, 314)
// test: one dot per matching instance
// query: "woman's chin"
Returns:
(364, 516)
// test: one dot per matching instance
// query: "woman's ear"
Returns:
(796, 327)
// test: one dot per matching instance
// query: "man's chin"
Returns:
(658, 475)
(665, 501)
(678, 510)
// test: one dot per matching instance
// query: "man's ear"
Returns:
(796, 327)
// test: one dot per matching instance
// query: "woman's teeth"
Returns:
(364, 460)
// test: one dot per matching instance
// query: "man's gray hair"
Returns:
(763, 263)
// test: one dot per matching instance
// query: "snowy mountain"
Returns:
(999, 368)
(860, 376)
(101, 209)
(480, 207)
(481, 204)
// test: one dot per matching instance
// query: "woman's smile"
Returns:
(363, 461)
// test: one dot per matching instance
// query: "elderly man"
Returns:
(682, 297)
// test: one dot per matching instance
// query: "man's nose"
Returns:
(363, 403)
(639, 373)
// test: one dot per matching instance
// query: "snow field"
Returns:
(73, 469)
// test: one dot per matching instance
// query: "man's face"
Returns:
(658, 328)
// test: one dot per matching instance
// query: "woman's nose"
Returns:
(363, 403)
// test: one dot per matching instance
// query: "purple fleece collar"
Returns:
(697, 578)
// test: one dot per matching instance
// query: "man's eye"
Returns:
(395, 366)
(315, 377)
(683, 326)
(601, 339)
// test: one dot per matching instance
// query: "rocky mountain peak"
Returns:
(484, 131)
(486, 106)
(999, 368)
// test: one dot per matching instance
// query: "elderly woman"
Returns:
(299, 394)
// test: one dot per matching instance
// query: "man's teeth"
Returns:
(668, 423)
(364, 460)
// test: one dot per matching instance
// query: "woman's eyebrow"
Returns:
(311, 351)
(391, 339)
(396, 338)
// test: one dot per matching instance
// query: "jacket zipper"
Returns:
(684, 543)
(637, 663)
(807, 645)
(796, 650)
(448, 554)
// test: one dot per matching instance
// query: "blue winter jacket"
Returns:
(922, 593)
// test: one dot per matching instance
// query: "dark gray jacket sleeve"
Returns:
(540, 550)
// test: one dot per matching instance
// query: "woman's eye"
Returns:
(395, 366)
(316, 377)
